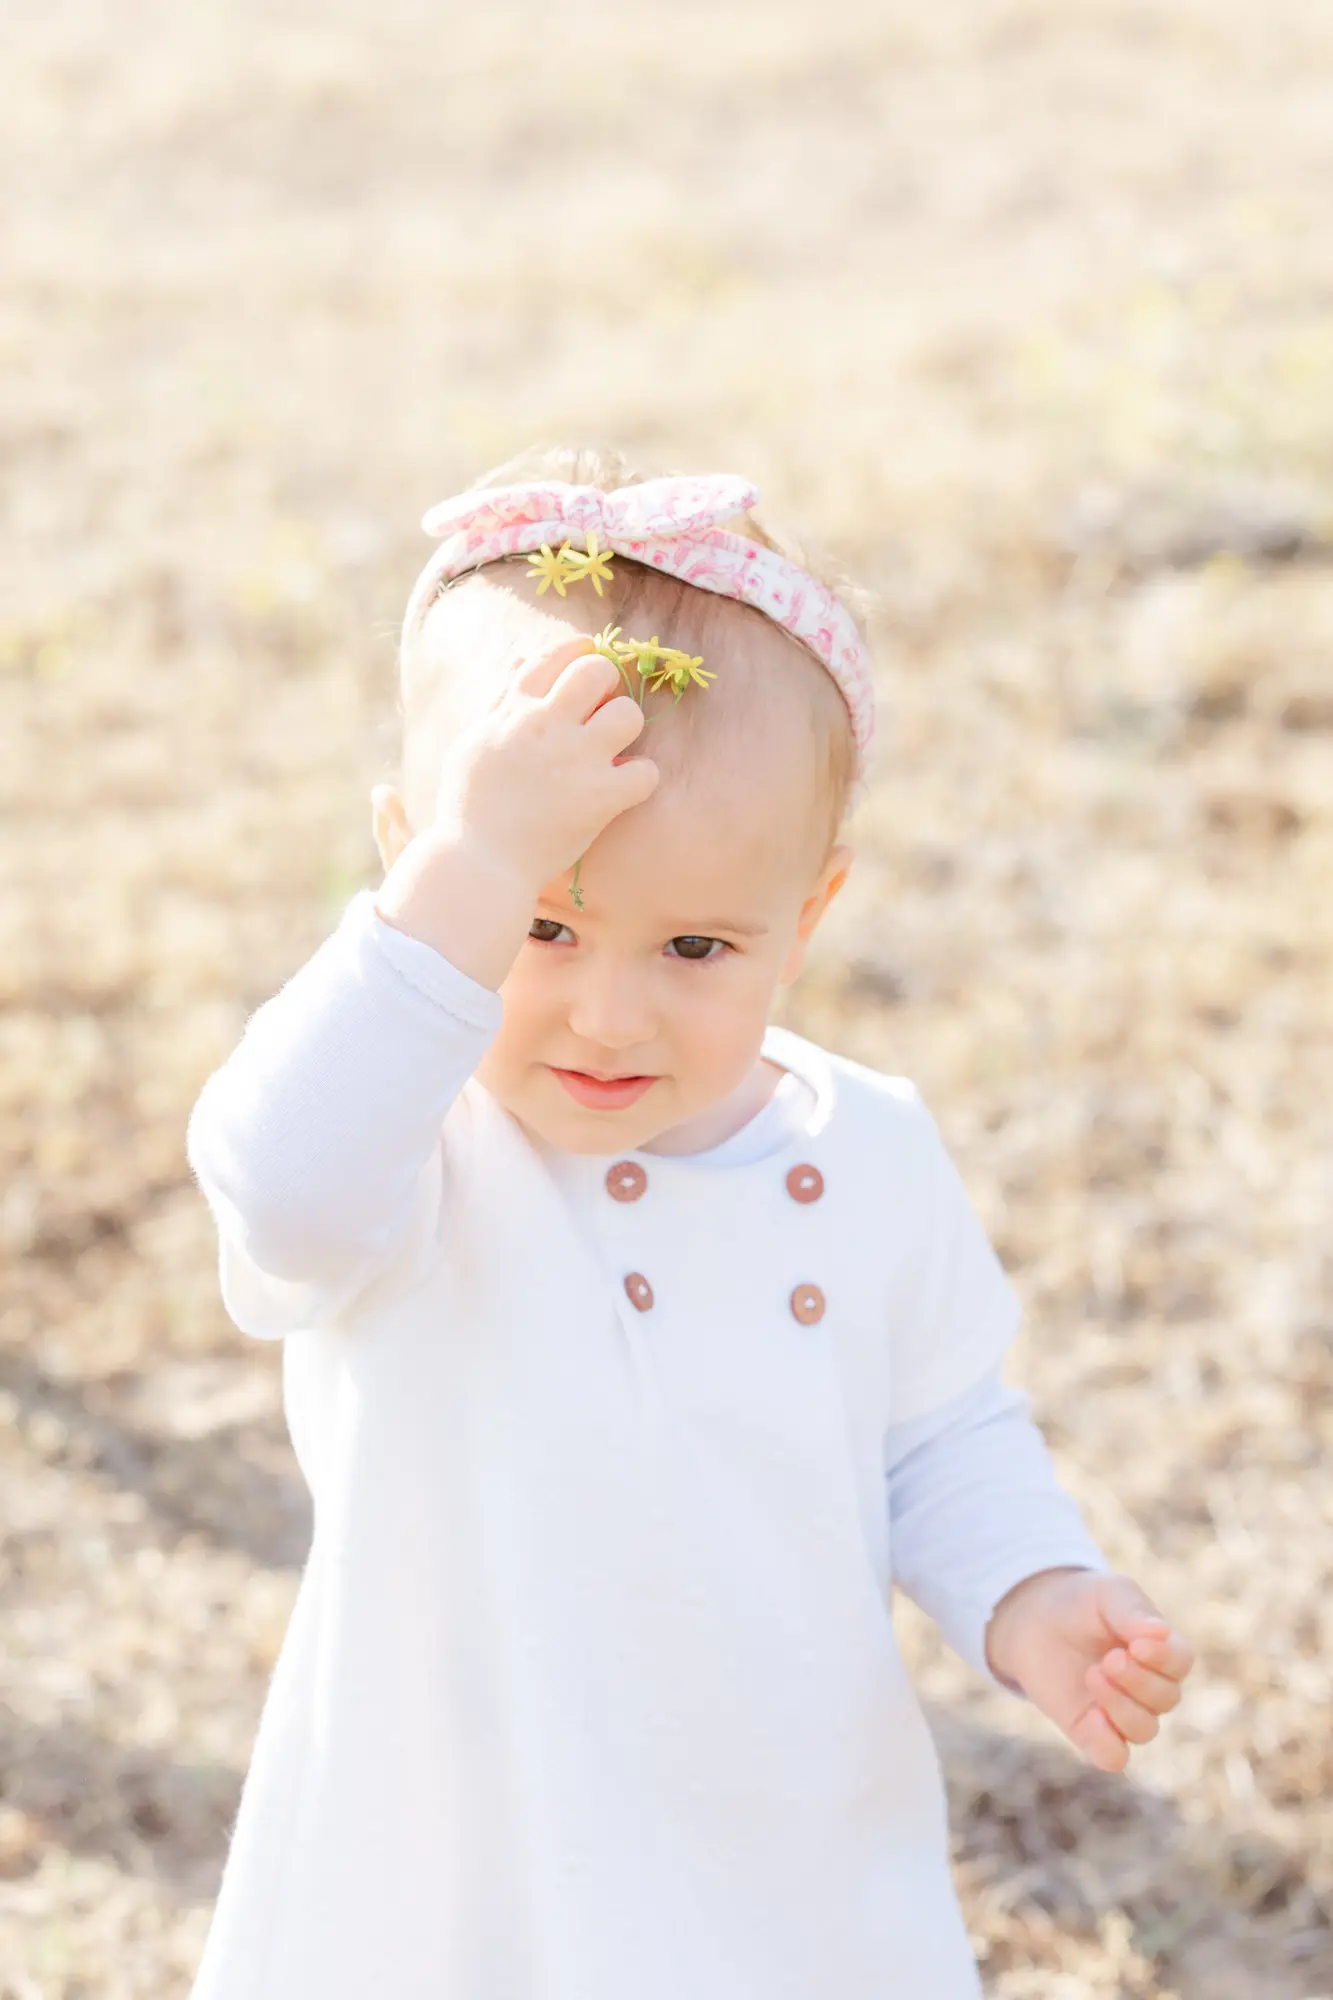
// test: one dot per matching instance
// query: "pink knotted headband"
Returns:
(671, 524)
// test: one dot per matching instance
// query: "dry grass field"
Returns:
(1024, 308)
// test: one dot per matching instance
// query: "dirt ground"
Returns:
(1021, 307)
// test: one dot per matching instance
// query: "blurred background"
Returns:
(1021, 307)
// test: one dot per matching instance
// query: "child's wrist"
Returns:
(1011, 1615)
(471, 904)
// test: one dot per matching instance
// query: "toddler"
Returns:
(634, 1348)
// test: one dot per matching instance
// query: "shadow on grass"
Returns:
(236, 1485)
(1048, 1835)
(150, 1814)
(1222, 1912)
(1219, 1910)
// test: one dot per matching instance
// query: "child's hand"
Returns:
(1094, 1655)
(522, 794)
(530, 786)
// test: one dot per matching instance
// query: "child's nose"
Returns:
(612, 1008)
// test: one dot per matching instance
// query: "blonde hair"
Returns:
(688, 616)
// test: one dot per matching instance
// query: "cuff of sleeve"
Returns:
(423, 968)
(965, 1623)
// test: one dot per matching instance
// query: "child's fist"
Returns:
(535, 780)
(1093, 1654)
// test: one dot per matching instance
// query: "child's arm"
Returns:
(989, 1544)
(984, 1536)
(313, 1143)
(974, 1508)
(317, 1142)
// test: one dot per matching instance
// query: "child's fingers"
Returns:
(614, 726)
(1126, 1608)
(1159, 1692)
(1134, 1722)
(1134, 1620)
(635, 780)
(538, 675)
(584, 684)
(1166, 1652)
(1100, 1742)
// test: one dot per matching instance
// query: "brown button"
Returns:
(807, 1302)
(626, 1181)
(639, 1290)
(805, 1183)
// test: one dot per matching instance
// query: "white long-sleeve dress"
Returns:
(591, 1688)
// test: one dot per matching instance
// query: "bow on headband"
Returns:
(649, 511)
(672, 524)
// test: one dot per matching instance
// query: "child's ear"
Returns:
(389, 823)
(832, 876)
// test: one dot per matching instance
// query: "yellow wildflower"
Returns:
(658, 665)
(605, 642)
(676, 669)
(612, 647)
(552, 567)
(593, 568)
(648, 653)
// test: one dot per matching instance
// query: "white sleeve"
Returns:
(974, 1508)
(316, 1144)
(957, 1313)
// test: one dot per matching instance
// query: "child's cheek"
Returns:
(720, 1031)
(519, 1041)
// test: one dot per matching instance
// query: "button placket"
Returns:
(805, 1184)
(626, 1181)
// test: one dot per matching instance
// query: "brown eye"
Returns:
(697, 948)
(546, 930)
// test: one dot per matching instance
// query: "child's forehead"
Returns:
(698, 856)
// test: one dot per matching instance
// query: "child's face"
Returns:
(697, 904)
(696, 908)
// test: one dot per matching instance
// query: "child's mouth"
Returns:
(613, 1094)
